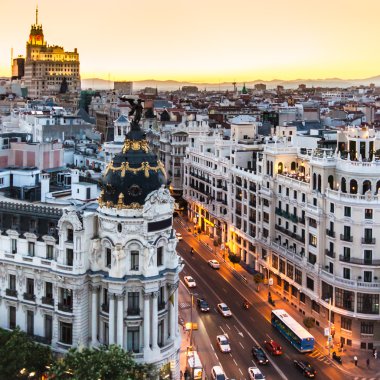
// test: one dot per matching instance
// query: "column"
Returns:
(111, 319)
(176, 311)
(120, 319)
(94, 316)
(146, 320)
(154, 320)
(172, 290)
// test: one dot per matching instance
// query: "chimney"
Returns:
(45, 186)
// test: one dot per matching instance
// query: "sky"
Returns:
(203, 40)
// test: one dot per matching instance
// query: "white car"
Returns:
(224, 310)
(214, 264)
(190, 282)
(217, 373)
(179, 236)
(255, 374)
(223, 343)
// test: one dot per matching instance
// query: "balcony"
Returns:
(368, 240)
(330, 253)
(29, 297)
(65, 308)
(346, 238)
(132, 311)
(11, 292)
(330, 233)
(355, 260)
(301, 220)
(105, 307)
(48, 300)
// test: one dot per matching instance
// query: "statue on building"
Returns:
(136, 110)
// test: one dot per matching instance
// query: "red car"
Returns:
(273, 347)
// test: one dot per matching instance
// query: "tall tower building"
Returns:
(49, 69)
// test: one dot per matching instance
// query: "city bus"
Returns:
(194, 365)
(299, 337)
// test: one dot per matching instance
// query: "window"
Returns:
(12, 317)
(366, 328)
(160, 335)
(30, 286)
(347, 211)
(69, 257)
(294, 194)
(31, 247)
(279, 189)
(314, 201)
(289, 270)
(275, 261)
(108, 257)
(160, 256)
(367, 256)
(133, 341)
(135, 260)
(30, 322)
(346, 323)
(49, 251)
(133, 303)
(70, 235)
(303, 197)
(14, 246)
(48, 327)
(312, 240)
(346, 273)
(282, 266)
(287, 191)
(332, 207)
(367, 276)
(344, 299)
(12, 282)
(346, 254)
(327, 291)
(67, 297)
(315, 306)
(298, 276)
(347, 232)
(368, 303)
(161, 298)
(368, 213)
(65, 333)
(302, 297)
(310, 283)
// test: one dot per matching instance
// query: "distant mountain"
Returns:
(170, 85)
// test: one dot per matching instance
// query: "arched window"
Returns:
(331, 182)
(353, 187)
(314, 181)
(366, 186)
(293, 166)
(319, 183)
(280, 168)
(343, 185)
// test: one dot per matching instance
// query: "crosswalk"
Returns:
(316, 354)
(365, 378)
(184, 305)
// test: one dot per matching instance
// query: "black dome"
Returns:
(132, 174)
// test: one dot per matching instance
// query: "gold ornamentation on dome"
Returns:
(145, 166)
(135, 145)
(120, 202)
(134, 205)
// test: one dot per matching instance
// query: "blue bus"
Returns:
(299, 337)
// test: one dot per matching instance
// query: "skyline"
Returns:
(171, 41)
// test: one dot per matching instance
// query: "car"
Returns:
(305, 367)
(202, 304)
(224, 310)
(214, 264)
(190, 282)
(179, 236)
(223, 343)
(273, 347)
(259, 354)
(255, 374)
(217, 373)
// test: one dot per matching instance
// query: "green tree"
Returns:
(309, 322)
(18, 351)
(103, 363)
(258, 278)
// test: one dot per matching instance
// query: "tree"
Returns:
(103, 363)
(309, 322)
(258, 278)
(64, 86)
(18, 351)
(234, 258)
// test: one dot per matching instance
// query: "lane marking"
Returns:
(241, 345)
(235, 362)
(241, 372)
(229, 328)
(268, 336)
(222, 330)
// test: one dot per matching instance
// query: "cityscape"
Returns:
(212, 222)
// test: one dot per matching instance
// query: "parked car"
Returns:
(217, 373)
(223, 343)
(214, 264)
(190, 282)
(259, 354)
(273, 347)
(255, 374)
(224, 310)
(202, 304)
(179, 236)
(305, 367)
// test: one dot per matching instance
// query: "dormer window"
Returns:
(108, 257)
(70, 235)
(134, 260)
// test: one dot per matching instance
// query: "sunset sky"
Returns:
(203, 40)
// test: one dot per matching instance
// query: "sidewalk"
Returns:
(347, 355)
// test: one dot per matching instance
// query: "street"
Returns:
(245, 328)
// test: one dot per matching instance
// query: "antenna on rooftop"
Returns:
(37, 14)
(234, 84)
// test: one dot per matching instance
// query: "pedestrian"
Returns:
(180, 375)
(356, 360)
(375, 355)
(368, 363)
(373, 352)
(341, 346)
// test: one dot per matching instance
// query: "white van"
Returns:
(217, 373)
(194, 365)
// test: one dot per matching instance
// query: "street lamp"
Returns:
(329, 338)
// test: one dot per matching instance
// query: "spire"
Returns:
(37, 14)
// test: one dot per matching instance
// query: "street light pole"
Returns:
(329, 338)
